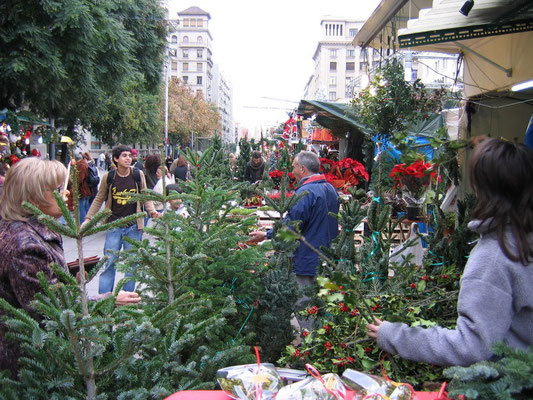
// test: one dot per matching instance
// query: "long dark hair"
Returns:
(500, 174)
(152, 163)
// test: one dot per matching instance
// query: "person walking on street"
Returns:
(254, 168)
(151, 164)
(114, 191)
(316, 224)
(135, 163)
(181, 171)
(93, 179)
(85, 190)
(101, 161)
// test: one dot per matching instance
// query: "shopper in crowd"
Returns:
(115, 190)
(85, 191)
(28, 246)
(151, 164)
(496, 296)
(182, 169)
(232, 161)
(254, 168)
(169, 179)
(94, 176)
(316, 224)
(101, 161)
(168, 161)
(136, 163)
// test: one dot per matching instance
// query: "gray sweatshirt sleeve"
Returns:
(484, 316)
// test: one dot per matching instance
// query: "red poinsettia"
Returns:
(344, 173)
(276, 176)
(414, 177)
(14, 159)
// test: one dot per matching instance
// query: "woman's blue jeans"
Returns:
(114, 241)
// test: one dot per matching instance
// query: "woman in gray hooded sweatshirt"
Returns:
(496, 297)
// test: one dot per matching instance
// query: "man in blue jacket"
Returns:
(312, 210)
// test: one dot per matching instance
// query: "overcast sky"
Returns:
(265, 48)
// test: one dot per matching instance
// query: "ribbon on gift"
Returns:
(384, 373)
(315, 374)
(258, 383)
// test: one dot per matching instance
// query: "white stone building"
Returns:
(337, 62)
(342, 70)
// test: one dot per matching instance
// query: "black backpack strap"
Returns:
(111, 177)
(137, 177)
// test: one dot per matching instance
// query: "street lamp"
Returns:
(166, 102)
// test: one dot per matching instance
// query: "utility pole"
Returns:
(166, 102)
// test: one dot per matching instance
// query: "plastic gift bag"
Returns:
(370, 387)
(250, 381)
(316, 387)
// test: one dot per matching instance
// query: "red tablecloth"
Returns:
(220, 395)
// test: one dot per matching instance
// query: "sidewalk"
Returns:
(92, 246)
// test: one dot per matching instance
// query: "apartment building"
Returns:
(190, 58)
(337, 61)
(189, 50)
(342, 70)
(223, 100)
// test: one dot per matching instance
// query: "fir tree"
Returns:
(511, 377)
(277, 304)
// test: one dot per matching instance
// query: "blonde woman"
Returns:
(29, 247)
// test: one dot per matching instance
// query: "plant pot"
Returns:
(413, 212)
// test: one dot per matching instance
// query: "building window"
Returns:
(333, 53)
(198, 80)
(186, 22)
(332, 80)
(185, 79)
(185, 39)
(332, 96)
(185, 53)
(174, 39)
(174, 66)
(199, 39)
(199, 67)
(350, 66)
(185, 66)
(173, 52)
(199, 53)
(199, 23)
(193, 22)
(353, 32)
(333, 66)
(363, 66)
(350, 53)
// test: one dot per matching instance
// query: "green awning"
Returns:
(337, 117)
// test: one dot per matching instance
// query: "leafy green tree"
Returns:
(188, 114)
(65, 59)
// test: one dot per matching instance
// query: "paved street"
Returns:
(92, 246)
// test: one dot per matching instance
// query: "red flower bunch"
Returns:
(14, 159)
(414, 177)
(344, 173)
(276, 176)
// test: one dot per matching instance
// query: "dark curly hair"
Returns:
(152, 163)
(500, 174)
